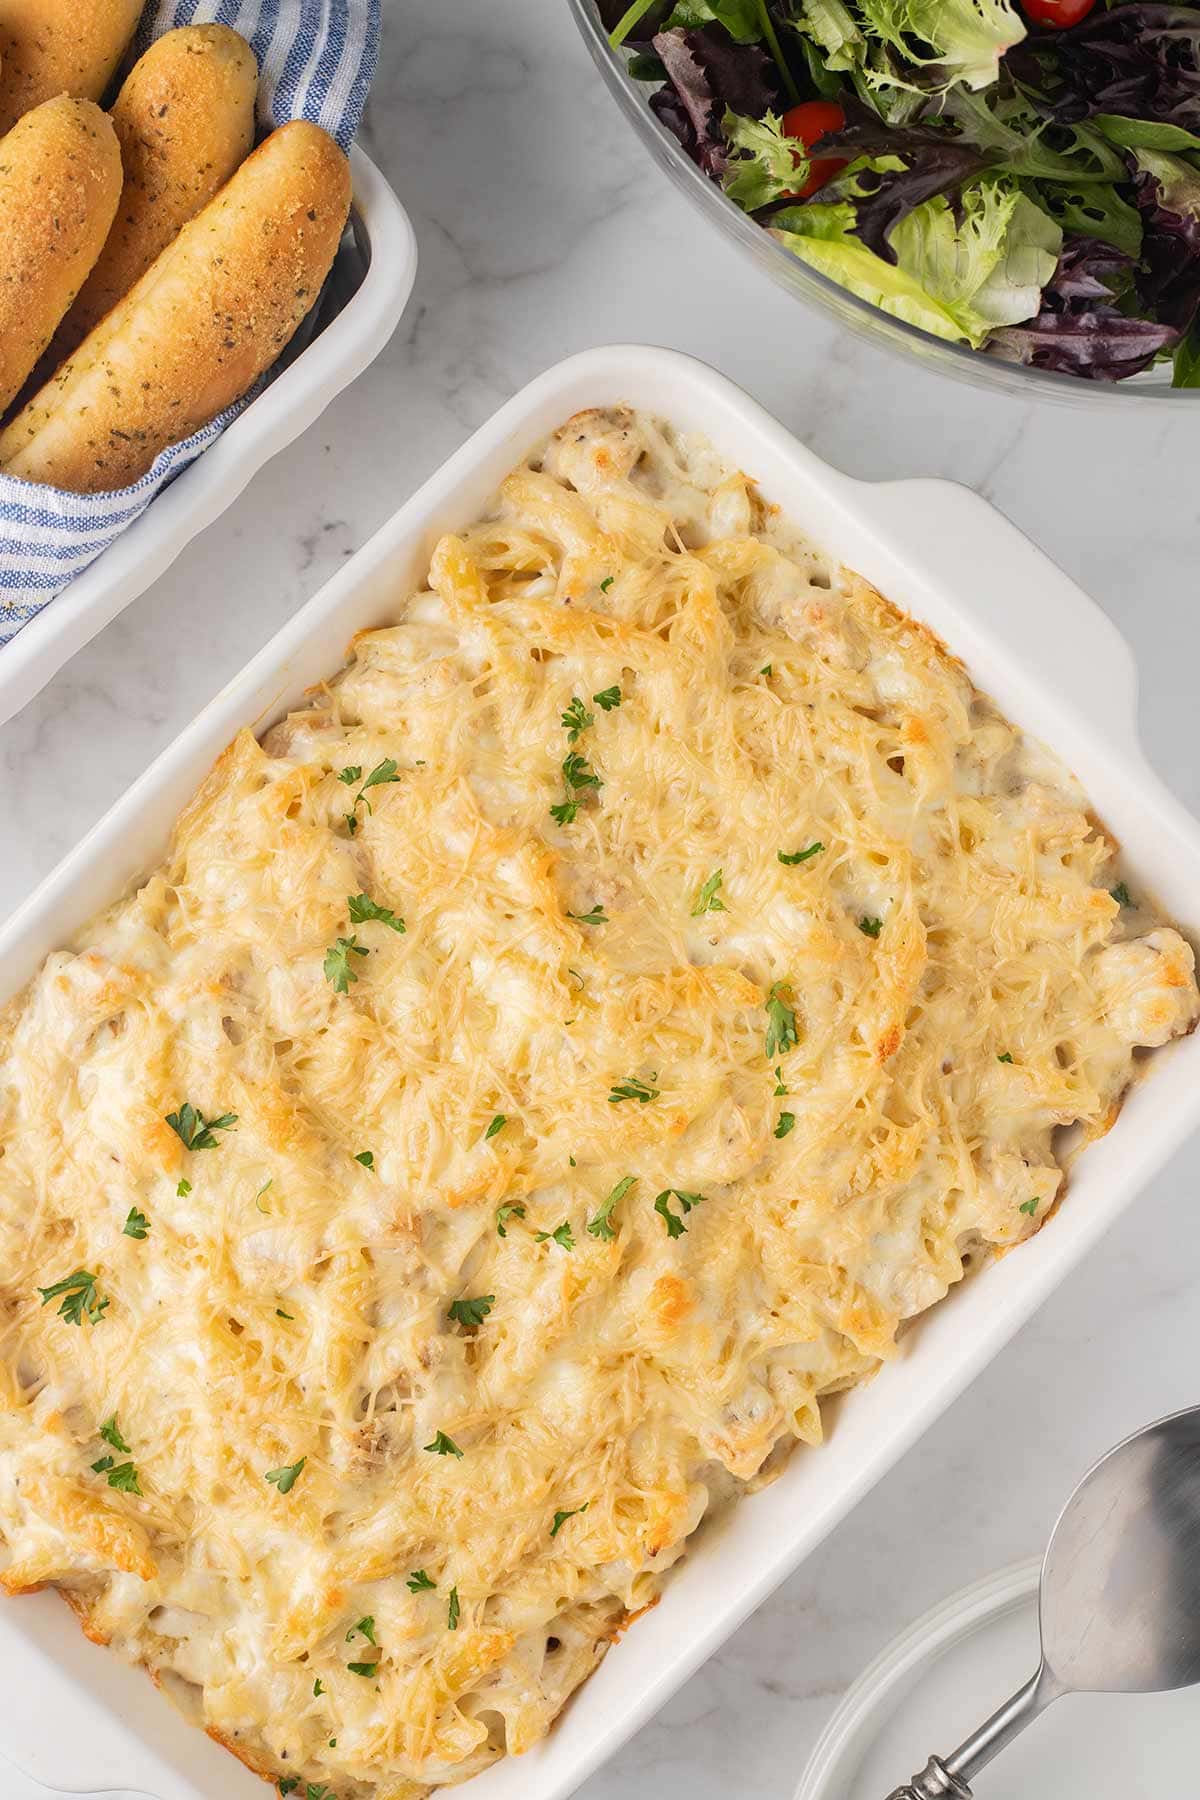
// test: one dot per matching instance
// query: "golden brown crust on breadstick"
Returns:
(50, 47)
(60, 181)
(185, 120)
(205, 320)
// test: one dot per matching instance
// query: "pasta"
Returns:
(542, 1071)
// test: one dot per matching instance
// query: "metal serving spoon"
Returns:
(1119, 1601)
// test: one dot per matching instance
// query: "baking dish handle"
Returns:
(946, 533)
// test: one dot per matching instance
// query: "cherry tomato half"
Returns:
(811, 120)
(1058, 13)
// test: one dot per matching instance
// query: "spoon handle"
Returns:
(949, 1778)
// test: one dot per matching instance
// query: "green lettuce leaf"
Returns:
(742, 19)
(1007, 125)
(821, 237)
(1178, 182)
(1094, 209)
(922, 46)
(1143, 134)
(766, 164)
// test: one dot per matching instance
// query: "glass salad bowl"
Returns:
(809, 285)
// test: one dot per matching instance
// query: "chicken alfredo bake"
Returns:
(539, 1073)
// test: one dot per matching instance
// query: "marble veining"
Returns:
(543, 229)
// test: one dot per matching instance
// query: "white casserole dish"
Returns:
(370, 302)
(1053, 662)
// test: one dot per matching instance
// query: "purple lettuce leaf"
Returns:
(707, 72)
(1079, 330)
(613, 11)
(1141, 60)
(1168, 280)
(937, 164)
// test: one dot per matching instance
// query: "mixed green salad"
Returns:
(1025, 179)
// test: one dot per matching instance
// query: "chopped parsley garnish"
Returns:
(102, 1463)
(471, 1312)
(601, 1226)
(1030, 1206)
(513, 1209)
(607, 583)
(268, 1183)
(1006, 1058)
(319, 1688)
(285, 1479)
(791, 858)
(419, 1582)
(607, 698)
(363, 909)
(80, 1299)
(578, 777)
(111, 1434)
(633, 1089)
(383, 773)
(781, 1023)
(122, 1476)
(194, 1131)
(780, 1085)
(280, 1314)
(870, 927)
(597, 916)
(576, 719)
(708, 899)
(365, 1628)
(339, 970)
(315, 1791)
(364, 1668)
(786, 1123)
(562, 1235)
(137, 1225)
(452, 1610)
(443, 1445)
(1121, 894)
(288, 1784)
(184, 1189)
(560, 1518)
(366, 1158)
(674, 1222)
(497, 1124)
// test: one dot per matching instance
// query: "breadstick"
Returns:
(205, 320)
(185, 120)
(50, 47)
(60, 181)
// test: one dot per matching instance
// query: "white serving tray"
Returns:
(74, 1716)
(339, 352)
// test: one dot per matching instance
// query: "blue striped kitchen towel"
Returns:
(316, 60)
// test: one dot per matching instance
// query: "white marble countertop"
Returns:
(543, 229)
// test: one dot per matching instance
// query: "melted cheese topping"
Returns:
(816, 1084)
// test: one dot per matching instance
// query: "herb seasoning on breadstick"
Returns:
(185, 121)
(208, 317)
(51, 47)
(60, 181)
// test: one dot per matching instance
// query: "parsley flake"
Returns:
(708, 899)
(1030, 1206)
(366, 1158)
(791, 857)
(607, 698)
(452, 1610)
(365, 1627)
(285, 1479)
(673, 1221)
(366, 1669)
(780, 1085)
(601, 1225)
(80, 1299)
(363, 909)
(194, 1131)
(102, 1463)
(576, 719)
(1121, 894)
(339, 971)
(597, 916)
(497, 1124)
(288, 1784)
(419, 1582)
(383, 773)
(443, 1445)
(110, 1432)
(578, 776)
(781, 1022)
(870, 927)
(633, 1089)
(560, 1518)
(512, 1210)
(137, 1225)
(280, 1314)
(562, 1235)
(1006, 1058)
(607, 583)
(767, 669)
(786, 1123)
(124, 1477)
(471, 1312)
(184, 1189)
(319, 1688)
